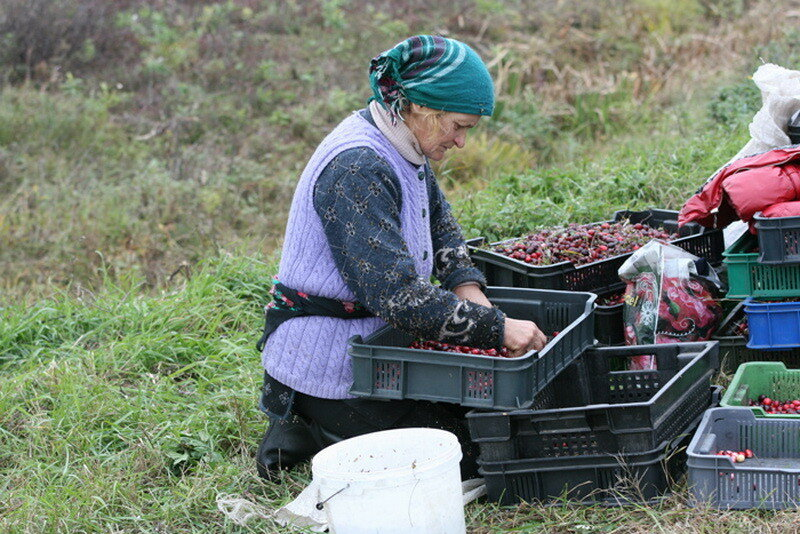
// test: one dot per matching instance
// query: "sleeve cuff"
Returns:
(461, 276)
(499, 329)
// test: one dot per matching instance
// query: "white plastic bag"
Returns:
(780, 96)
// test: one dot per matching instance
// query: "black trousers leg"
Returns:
(334, 420)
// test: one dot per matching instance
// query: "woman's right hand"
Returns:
(522, 336)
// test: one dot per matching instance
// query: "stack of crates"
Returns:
(756, 413)
(570, 420)
(762, 270)
(599, 433)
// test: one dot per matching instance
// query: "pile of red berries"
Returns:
(772, 406)
(582, 244)
(463, 349)
(611, 300)
(737, 456)
(740, 327)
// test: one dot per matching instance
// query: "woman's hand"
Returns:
(522, 336)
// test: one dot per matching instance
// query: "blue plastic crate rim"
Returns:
(773, 325)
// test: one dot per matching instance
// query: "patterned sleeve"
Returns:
(451, 263)
(357, 197)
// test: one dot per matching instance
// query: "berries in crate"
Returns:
(386, 366)
(587, 257)
(769, 389)
(770, 479)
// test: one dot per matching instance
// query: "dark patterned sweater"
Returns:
(370, 253)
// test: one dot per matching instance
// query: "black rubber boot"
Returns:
(286, 443)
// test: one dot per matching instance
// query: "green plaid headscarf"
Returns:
(435, 72)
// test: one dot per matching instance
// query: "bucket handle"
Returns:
(319, 504)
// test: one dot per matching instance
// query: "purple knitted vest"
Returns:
(309, 354)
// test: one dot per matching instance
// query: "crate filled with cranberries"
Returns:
(392, 364)
(768, 388)
(586, 257)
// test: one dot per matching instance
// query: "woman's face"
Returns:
(451, 131)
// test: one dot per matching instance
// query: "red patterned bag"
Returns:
(670, 298)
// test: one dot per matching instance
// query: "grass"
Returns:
(124, 412)
(146, 168)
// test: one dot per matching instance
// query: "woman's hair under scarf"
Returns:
(432, 71)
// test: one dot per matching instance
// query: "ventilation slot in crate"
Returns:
(388, 376)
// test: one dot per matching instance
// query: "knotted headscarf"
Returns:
(432, 71)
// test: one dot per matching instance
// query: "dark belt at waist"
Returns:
(288, 303)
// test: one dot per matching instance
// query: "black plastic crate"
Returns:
(598, 479)
(597, 407)
(733, 349)
(778, 239)
(384, 367)
(609, 324)
(600, 276)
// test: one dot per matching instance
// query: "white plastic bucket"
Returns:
(392, 482)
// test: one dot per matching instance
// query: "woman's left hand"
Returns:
(471, 291)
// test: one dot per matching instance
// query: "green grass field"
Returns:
(148, 152)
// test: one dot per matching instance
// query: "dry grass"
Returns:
(189, 141)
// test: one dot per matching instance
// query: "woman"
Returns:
(368, 226)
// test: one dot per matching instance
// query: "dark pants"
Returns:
(322, 422)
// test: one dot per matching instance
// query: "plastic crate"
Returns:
(608, 322)
(733, 350)
(747, 277)
(592, 409)
(773, 325)
(778, 239)
(772, 379)
(384, 367)
(600, 276)
(593, 479)
(770, 480)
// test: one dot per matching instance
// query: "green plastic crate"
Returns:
(747, 277)
(772, 379)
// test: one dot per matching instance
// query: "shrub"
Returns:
(42, 37)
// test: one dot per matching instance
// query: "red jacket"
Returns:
(748, 185)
